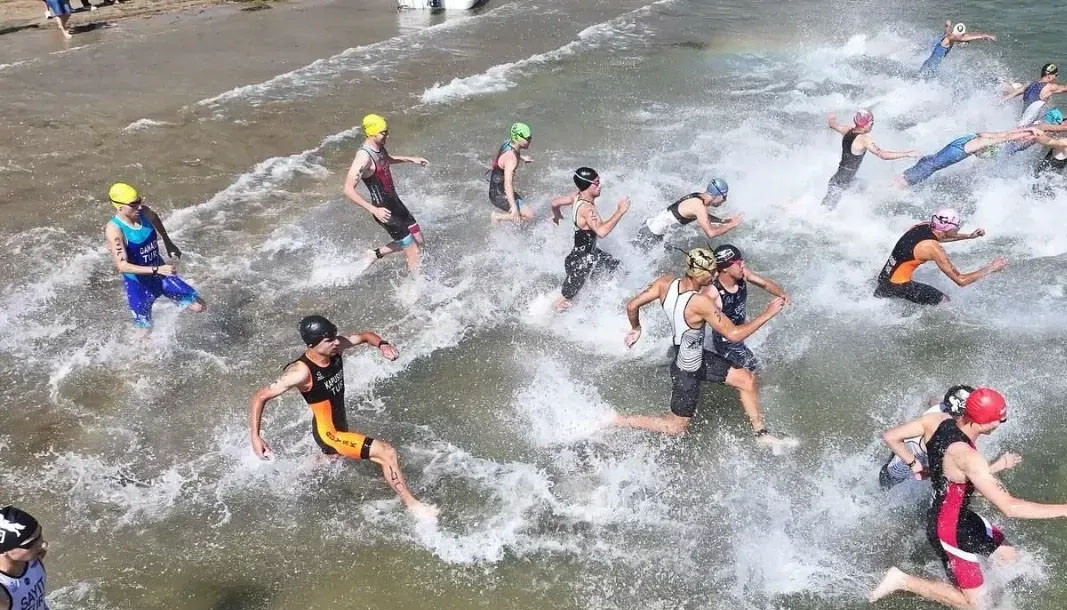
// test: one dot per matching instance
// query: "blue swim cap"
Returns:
(1054, 116)
(718, 186)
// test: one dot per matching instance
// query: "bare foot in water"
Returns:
(369, 258)
(891, 583)
(421, 510)
(777, 445)
(561, 305)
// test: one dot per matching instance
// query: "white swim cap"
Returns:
(959, 29)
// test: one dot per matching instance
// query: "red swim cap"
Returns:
(863, 118)
(985, 405)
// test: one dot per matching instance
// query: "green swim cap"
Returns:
(988, 152)
(520, 131)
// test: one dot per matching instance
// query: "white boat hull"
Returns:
(456, 5)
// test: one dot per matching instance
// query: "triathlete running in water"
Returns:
(957, 534)
(959, 149)
(319, 376)
(729, 290)
(502, 193)
(913, 435)
(920, 244)
(689, 312)
(371, 165)
(585, 258)
(856, 140)
(691, 208)
(953, 34)
(133, 235)
(1037, 94)
(22, 550)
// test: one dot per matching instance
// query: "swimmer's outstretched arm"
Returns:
(766, 283)
(713, 317)
(603, 228)
(979, 473)
(971, 37)
(831, 121)
(891, 155)
(1057, 143)
(1014, 93)
(975, 234)
(373, 339)
(1011, 133)
(295, 375)
(415, 160)
(990, 138)
(724, 225)
(936, 253)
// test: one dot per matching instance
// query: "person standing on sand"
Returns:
(61, 9)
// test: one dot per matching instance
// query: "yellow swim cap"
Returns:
(122, 194)
(374, 124)
(699, 262)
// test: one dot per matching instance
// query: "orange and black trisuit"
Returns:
(326, 397)
(895, 279)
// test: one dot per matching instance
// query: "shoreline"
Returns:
(28, 15)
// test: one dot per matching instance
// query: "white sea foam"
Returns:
(619, 33)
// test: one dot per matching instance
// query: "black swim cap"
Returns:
(313, 329)
(18, 529)
(584, 177)
(956, 399)
(1049, 69)
(726, 255)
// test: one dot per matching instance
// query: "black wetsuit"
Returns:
(1051, 163)
(585, 258)
(496, 182)
(401, 224)
(956, 532)
(329, 422)
(895, 279)
(734, 305)
(656, 227)
(846, 170)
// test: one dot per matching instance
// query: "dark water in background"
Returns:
(232, 131)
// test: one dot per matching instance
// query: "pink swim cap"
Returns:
(945, 219)
(863, 118)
